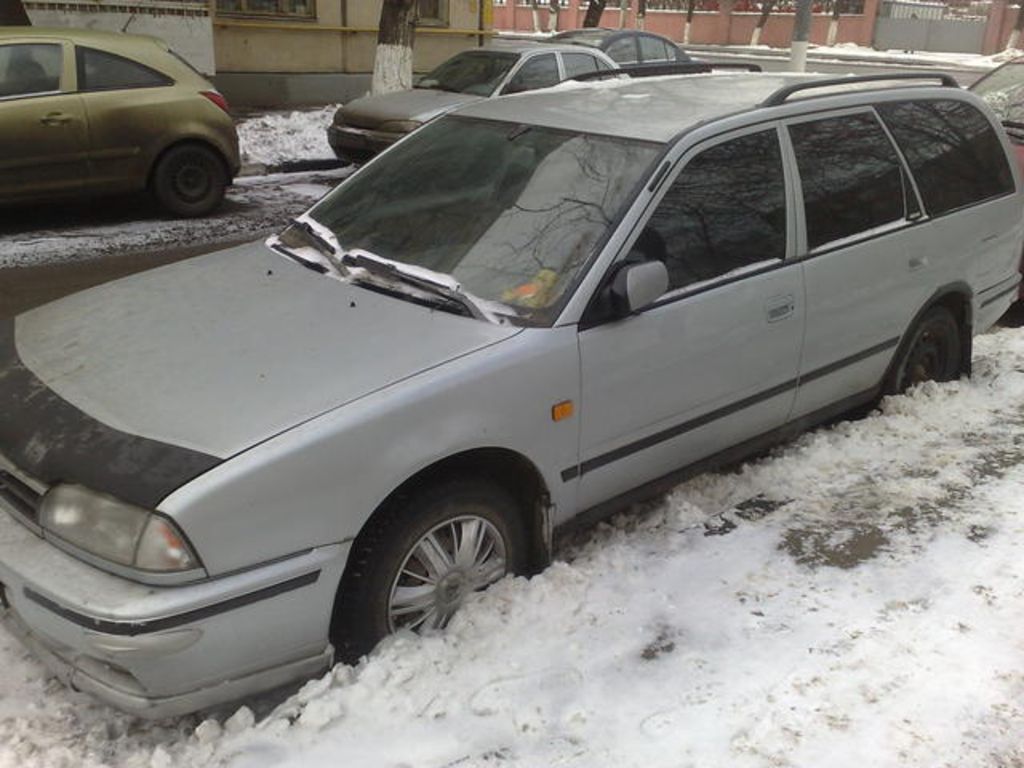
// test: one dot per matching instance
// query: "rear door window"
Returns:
(27, 69)
(623, 51)
(726, 211)
(102, 71)
(538, 72)
(851, 176)
(952, 150)
(579, 64)
(653, 49)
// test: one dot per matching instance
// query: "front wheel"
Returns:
(189, 180)
(933, 352)
(421, 557)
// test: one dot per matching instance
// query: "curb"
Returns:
(291, 166)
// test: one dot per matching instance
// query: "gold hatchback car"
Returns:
(89, 113)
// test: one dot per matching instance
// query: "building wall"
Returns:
(184, 24)
(340, 39)
(709, 27)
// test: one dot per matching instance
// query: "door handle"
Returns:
(55, 118)
(780, 307)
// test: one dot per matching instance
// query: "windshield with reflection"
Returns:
(1003, 90)
(511, 212)
(474, 72)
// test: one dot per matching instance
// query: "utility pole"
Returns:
(801, 36)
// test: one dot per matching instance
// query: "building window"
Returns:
(433, 13)
(305, 9)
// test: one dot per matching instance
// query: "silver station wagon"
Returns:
(225, 474)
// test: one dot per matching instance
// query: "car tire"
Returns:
(932, 353)
(413, 566)
(189, 180)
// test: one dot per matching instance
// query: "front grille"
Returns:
(20, 496)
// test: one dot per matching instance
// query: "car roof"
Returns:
(526, 46)
(114, 41)
(651, 109)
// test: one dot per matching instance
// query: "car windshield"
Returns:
(1003, 89)
(511, 212)
(473, 72)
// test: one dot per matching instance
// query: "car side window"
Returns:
(725, 211)
(579, 64)
(26, 69)
(952, 150)
(538, 72)
(653, 49)
(623, 51)
(102, 71)
(851, 176)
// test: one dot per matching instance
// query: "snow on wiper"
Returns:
(425, 279)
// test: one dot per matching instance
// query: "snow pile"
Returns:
(277, 137)
(853, 599)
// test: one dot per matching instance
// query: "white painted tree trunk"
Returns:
(755, 36)
(686, 34)
(536, 19)
(1014, 41)
(552, 20)
(392, 69)
(623, 12)
(641, 22)
(833, 32)
(798, 56)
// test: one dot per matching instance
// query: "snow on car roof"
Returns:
(652, 109)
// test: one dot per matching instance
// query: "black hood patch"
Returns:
(55, 442)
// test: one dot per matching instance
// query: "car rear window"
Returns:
(953, 151)
(102, 71)
(851, 176)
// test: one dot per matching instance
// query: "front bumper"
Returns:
(163, 651)
(359, 144)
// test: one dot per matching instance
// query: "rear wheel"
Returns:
(933, 352)
(189, 180)
(421, 557)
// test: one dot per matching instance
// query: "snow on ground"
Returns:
(855, 598)
(277, 137)
(253, 207)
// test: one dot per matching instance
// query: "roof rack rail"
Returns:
(779, 97)
(658, 70)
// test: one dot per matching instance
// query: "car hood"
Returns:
(211, 356)
(420, 104)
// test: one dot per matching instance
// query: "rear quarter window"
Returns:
(953, 152)
(102, 71)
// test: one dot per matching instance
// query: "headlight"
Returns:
(400, 126)
(110, 529)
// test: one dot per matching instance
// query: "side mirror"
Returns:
(637, 286)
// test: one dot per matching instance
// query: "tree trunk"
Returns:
(691, 6)
(833, 24)
(624, 12)
(641, 14)
(535, 14)
(594, 11)
(553, 16)
(766, 10)
(1018, 27)
(12, 14)
(392, 65)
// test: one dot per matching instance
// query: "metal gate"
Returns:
(912, 26)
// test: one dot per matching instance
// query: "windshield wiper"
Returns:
(423, 279)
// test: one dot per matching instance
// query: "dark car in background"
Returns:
(626, 47)
(371, 124)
